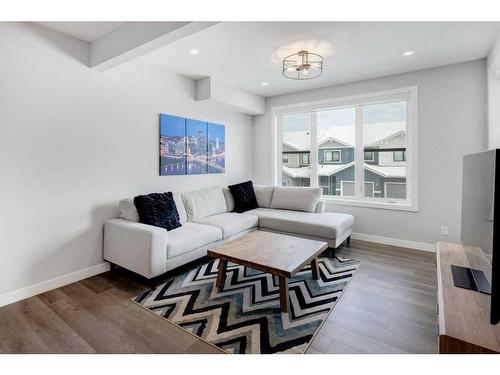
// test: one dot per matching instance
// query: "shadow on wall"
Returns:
(76, 49)
(83, 250)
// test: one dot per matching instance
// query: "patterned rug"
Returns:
(245, 317)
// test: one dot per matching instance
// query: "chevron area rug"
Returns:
(245, 317)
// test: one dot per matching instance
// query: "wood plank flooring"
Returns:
(389, 307)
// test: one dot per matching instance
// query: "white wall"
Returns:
(73, 141)
(452, 121)
(494, 96)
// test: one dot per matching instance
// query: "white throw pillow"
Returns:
(204, 202)
(296, 198)
(229, 199)
(129, 212)
(264, 195)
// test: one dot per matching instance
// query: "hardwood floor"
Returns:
(389, 307)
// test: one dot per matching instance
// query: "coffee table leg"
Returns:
(284, 294)
(221, 274)
(314, 269)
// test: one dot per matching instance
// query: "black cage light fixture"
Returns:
(303, 65)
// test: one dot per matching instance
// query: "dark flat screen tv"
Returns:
(481, 215)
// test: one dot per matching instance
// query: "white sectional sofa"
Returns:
(208, 219)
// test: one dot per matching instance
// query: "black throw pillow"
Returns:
(158, 209)
(244, 196)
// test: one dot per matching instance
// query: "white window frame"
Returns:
(371, 152)
(333, 161)
(403, 153)
(410, 94)
(301, 161)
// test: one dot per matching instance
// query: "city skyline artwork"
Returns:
(189, 146)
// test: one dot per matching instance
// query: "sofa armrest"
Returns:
(137, 247)
(320, 207)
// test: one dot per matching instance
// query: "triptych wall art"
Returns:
(190, 146)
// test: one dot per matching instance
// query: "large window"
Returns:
(359, 150)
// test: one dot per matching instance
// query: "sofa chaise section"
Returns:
(334, 228)
(298, 211)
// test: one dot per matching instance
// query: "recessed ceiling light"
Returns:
(194, 51)
(408, 53)
(265, 84)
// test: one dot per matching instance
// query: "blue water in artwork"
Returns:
(190, 146)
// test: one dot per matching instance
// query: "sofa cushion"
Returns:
(244, 196)
(327, 224)
(229, 199)
(296, 198)
(231, 223)
(180, 207)
(128, 211)
(261, 211)
(264, 195)
(158, 209)
(204, 202)
(191, 236)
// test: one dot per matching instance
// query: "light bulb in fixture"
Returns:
(265, 84)
(305, 72)
(408, 53)
(194, 51)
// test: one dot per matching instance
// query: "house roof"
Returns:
(373, 135)
(323, 170)
(328, 170)
(298, 141)
(388, 171)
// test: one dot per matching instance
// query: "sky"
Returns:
(216, 131)
(172, 125)
(373, 114)
(195, 126)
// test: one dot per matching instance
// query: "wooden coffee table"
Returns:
(277, 254)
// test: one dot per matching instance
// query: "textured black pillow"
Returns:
(158, 209)
(244, 196)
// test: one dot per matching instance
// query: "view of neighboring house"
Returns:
(384, 171)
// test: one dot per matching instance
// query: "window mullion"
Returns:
(359, 153)
(278, 162)
(313, 156)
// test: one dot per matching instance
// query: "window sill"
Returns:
(370, 204)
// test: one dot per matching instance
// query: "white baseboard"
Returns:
(395, 242)
(44, 286)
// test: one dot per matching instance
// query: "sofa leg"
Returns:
(349, 241)
(332, 251)
(112, 267)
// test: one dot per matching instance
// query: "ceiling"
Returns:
(245, 54)
(87, 31)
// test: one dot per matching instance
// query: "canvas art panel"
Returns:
(196, 147)
(216, 148)
(189, 146)
(172, 145)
